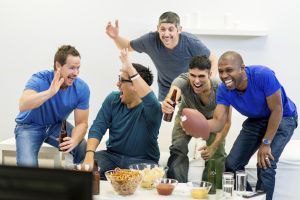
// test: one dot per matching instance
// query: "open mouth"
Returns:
(71, 79)
(121, 94)
(228, 83)
(198, 85)
(166, 39)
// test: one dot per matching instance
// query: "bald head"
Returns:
(233, 57)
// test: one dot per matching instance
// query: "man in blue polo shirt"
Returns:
(48, 98)
(256, 93)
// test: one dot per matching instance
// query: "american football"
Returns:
(194, 123)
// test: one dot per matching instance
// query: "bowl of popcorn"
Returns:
(150, 173)
(124, 181)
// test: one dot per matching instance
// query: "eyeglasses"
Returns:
(122, 80)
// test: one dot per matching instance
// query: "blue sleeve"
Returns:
(34, 83)
(84, 98)
(222, 97)
(103, 119)
(268, 82)
(152, 108)
(140, 44)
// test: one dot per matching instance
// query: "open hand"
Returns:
(126, 63)
(112, 31)
(56, 83)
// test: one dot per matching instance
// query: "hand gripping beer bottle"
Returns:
(96, 179)
(168, 117)
(63, 132)
(212, 175)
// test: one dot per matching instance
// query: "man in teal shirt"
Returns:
(133, 117)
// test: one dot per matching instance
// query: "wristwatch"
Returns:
(266, 141)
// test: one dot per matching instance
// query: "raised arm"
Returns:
(31, 99)
(113, 33)
(214, 64)
(142, 88)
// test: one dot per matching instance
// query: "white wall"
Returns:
(32, 30)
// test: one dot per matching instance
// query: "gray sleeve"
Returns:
(181, 81)
(201, 49)
(196, 45)
(140, 44)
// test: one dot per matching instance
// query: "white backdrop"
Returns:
(32, 30)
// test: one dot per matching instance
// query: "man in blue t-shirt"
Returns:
(133, 117)
(47, 100)
(169, 48)
(256, 93)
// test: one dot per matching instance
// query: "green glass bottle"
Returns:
(212, 175)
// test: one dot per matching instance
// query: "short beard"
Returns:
(64, 86)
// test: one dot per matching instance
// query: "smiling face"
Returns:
(232, 73)
(199, 79)
(169, 34)
(69, 71)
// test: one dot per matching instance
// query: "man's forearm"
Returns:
(273, 124)
(32, 99)
(214, 64)
(79, 131)
(91, 147)
(220, 137)
(122, 43)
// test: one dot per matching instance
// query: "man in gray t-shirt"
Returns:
(169, 48)
(197, 91)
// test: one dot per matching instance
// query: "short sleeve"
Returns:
(222, 97)
(140, 44)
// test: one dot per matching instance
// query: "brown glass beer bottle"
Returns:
(96, 179)
(168, 117)
(63, 132)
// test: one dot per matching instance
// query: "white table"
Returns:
(181, 192)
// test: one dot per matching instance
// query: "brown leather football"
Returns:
(194, 123)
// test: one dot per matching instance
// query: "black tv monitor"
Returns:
(28, 183)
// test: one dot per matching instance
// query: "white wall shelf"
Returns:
(230, 32)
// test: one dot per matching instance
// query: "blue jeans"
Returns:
(248, 142)
(29, 139)
(108, 160)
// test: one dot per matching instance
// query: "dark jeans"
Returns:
(248, 142)
(108, 160)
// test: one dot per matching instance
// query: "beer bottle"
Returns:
(212, 175)
(168, 117)
(63, 132)
(96, 179)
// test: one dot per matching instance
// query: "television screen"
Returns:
(28, 183)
